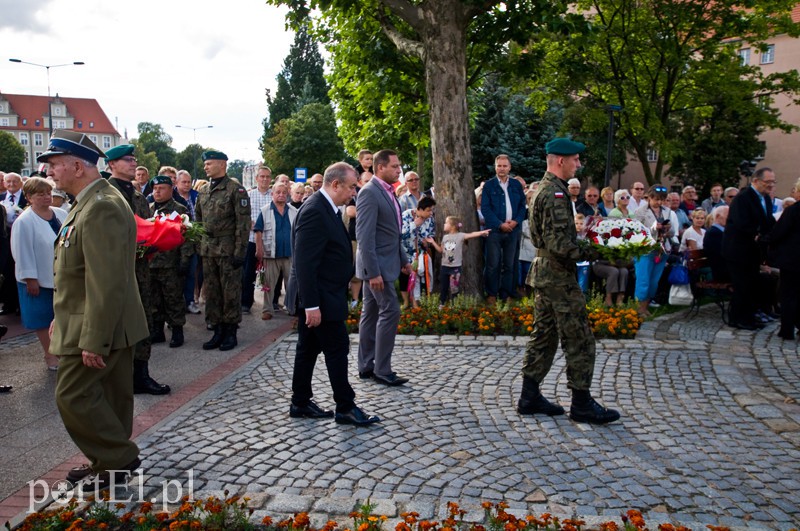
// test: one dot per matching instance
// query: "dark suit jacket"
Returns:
(712, 248)
(746, 220)
(22, 202)
(323, 259)
(785, 240)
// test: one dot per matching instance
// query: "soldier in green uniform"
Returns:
(168, 270)
(559, 306)
(98, 313)
(122, 165)
(224, 208)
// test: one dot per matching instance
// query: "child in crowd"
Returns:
(451, 251)
(583, 267)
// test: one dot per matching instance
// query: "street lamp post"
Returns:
(48, 67)
(610, 146)
(194, 141)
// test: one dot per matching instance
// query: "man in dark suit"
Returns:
(712, 245)
(14, 201)
(321, 270)
(98, 314)
(379, 260)
(744, 244)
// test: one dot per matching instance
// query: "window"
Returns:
(652, 155)
(2, 107)
(23, 139)
(37, 154)
(26, 172)
(59, 124)
(768, 56)
(38, 139)
(744, 55)
(106, 142)
(93, 138)
(57, 111)
(27, 157)
(4, 121)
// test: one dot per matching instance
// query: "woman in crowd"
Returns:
(785, 255)
(607, 199)
(32, 247)
(650, 266)
(417, 226)
(296, 194)
(692, 238)
(622, 199)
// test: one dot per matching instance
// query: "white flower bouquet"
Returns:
(620, 238)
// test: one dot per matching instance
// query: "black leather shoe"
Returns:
(539, 404)
(158, 336)
(216, 339)
(391, 380)
(355, 416)
(78, 473)
(743, 326)
(788, 336)
(309, 411)
(143, 383)
(94, 483)
(177, 337)
(592, 413)
(366, 375)
(229, 340)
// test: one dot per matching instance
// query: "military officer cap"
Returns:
(214, 155)
(161, 179)
(564, 146)
(71, 143)
(117, 152)
(59, 193)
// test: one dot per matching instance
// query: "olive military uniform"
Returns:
(559, 305)
(166, 277)
(224, 209)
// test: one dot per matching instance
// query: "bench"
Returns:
(704, 286)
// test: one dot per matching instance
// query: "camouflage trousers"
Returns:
(142, 350)
(560, 314)
(166, 288)
(223, 285)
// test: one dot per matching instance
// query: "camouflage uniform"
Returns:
(141, 208)
(166, 281)
(224, 209)
(559, 305)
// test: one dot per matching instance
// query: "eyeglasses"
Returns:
(411, 180)
(638, 188)
(773, 181)
(128, 158)
(660, 189)
(624, 197)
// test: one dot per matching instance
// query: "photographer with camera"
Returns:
(650, 267)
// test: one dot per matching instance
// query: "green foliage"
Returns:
(301, 81)
(153, 139)
(190, 159)
(145, 158)
(664, 62)
(308, 139)
(12, 153)
(236, 168)
(505, 123)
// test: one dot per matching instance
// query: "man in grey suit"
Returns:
(379, 260)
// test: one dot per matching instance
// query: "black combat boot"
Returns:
(216, 339)
(229, 342)
(532, 402)
(177, 337)
(586, 409)
(158, 333)
(143, 383)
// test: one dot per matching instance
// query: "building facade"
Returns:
(28, 119)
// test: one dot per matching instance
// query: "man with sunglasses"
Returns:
(637, 197)
(409, 200)
(744, 246)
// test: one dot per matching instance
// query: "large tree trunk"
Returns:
(445, 45)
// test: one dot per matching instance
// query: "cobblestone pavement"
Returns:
(710, 433)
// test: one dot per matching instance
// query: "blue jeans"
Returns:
(501, 253)
(648, 273)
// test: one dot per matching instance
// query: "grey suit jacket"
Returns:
(378, 235)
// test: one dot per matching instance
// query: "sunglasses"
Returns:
(624, 197)
(638, 188)
(660, 189)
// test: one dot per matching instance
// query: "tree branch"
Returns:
(406, 11)
(404, 44)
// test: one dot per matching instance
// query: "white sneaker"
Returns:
(353, 304)
(192, 307)
(654, 304)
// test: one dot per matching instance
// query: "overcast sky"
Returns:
(172, 62)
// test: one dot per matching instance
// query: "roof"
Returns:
(84, 110)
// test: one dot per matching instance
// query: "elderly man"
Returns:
(98, 314)
(122, 165)
(591, 205)
(574, 189)
(260, 196)
(410, 199)
(14, 201)
(712, 245)
(637, 197)
(688, 200)
(273, 238)
(744, 244)
(729, 194)
(224, 208)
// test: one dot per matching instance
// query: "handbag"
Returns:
(680, 295)
(678, 275)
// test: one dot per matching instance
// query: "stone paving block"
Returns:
(286, 503)
(337, 506)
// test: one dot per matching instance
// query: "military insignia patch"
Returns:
(559, 194)
(243, 202)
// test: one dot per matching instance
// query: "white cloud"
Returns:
(172, 62)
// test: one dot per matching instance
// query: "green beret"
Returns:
(564, 146)
(117, 152)
(161, 179)
(214, 155)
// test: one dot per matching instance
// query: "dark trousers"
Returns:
(249, 276)
(789, 294)
(501, 256)
(744, 277)
(330, 338)
(444, 282)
